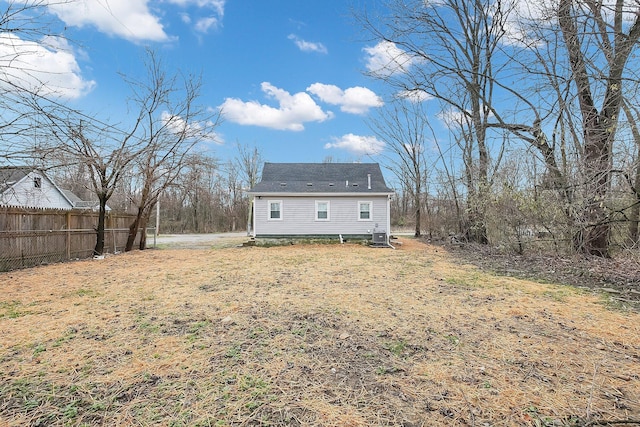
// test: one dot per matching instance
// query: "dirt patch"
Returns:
(326, 335)
(618, 279)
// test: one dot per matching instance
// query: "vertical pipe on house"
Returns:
(368, 181)
(253, 213)
(388, 218)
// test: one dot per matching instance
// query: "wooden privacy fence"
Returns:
(31, 237)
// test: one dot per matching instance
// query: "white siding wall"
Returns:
(298, 216)
(24, 193)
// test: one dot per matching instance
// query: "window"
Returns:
(322, 211)
(275, 209)
(37, 182)
(364, 211)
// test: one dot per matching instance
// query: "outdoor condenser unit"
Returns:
(379, 238)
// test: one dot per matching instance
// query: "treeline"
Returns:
(518, 121)
(208, 196)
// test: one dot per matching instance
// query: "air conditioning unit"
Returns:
(379, 238)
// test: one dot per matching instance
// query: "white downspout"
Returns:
(253, 208)
(388, 218)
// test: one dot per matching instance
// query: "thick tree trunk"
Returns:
(417, 202)
(596, 227)
(133, 230)
(477, 229)
(599, 127)
(634, 178)
(634, 214)
(143, 231)
(99, 248)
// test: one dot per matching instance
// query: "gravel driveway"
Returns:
(199, 241)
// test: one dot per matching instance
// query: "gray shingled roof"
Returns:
(9, 175)
(321, 178)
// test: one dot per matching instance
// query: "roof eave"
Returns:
(321, 194)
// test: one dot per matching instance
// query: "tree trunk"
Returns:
(143, 230)
(599, 127)
(133, 230)
(418, 205)
(634, 215)
(99, 248)
(596, 228)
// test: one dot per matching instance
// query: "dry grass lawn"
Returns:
(317, 335)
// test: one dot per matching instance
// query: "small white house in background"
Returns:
(321, 200)
(31, 188)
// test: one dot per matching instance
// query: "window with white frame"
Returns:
(275, 209)
(322, 211)
(365, 211)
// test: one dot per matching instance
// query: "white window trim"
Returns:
(269, 202)
(328, 218)
(370, 203)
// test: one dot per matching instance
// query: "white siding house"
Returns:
(32, 188)
(324, 200)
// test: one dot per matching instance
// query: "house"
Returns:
(321, 200)
(32, 188)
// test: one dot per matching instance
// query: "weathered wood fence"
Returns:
(31, 237)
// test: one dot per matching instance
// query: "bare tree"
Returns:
(171, 124)
(632, 176)
(26, 31)
(403, 127)
(249, 163)
(447, 50)
(586, 24)
(570, 72)
(189, 204)
(105, 151)
(167, 126)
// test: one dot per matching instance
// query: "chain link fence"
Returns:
(30, 237)
(27, 248)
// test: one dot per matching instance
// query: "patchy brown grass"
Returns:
(323, 335)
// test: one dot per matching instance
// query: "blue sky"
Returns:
(287, 74)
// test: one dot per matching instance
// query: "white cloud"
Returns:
(129, 19)
(133, 20)
(415, 96)
(306, 46)
(47, 67)
(292, 113)
(357, 144)
(216, 5)
(185, 18)
(385, 59)
(521, 15)
(354, 100)
(203, 25)
(455, 118)
(526, 18)
(198, 131)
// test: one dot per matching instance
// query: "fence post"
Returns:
(20, 240)
(68, 220)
